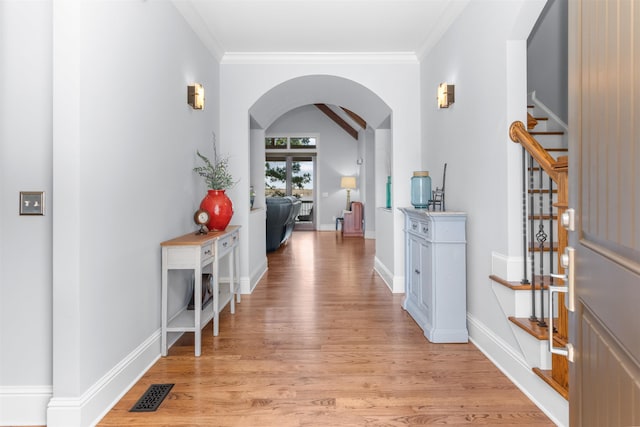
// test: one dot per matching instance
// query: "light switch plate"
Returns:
(32, 203)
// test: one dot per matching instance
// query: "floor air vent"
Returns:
(152, 398)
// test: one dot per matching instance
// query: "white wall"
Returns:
(25, 241)
(115, 154)
(257, 215)
(547, 56)
(245, 79)
(337, 155)
(486, 62)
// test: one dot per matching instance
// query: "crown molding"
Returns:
(194, 20)
(319, 58)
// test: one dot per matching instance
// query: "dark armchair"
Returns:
(281, 218)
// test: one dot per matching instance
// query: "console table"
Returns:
(435, 273)
(198, 252)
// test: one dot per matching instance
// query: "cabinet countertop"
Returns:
(432, 213)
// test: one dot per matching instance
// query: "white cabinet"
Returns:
(435, 273)
(200, 252)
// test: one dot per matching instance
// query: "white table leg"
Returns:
(216, 291)
(237, 272)
(232, 281)
(164, 289)
(197, 308)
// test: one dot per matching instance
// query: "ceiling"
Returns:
(319, 26)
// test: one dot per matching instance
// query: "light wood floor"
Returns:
(322, 342)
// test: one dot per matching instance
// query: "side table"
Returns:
(198, 252)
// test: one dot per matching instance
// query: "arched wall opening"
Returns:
(296, 98)
(254, 96)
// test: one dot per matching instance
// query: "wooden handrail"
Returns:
(518, 133)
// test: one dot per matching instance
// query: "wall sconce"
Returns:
(348, 182)
(446, 95)
(195, 96)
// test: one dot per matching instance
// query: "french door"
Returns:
(293, 175)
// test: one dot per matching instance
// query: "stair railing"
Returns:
(557, 170)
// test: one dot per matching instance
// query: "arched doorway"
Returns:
(255, 97)
(315, 100)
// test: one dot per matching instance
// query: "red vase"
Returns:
(220, 209)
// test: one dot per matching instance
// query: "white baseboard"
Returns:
(383, 272)
(93, 405)
(508, 267)
(24, 405)
(247, 285)
(517, 370)
(326, 227)
(395, 284)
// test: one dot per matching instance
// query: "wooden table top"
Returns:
(193, 239)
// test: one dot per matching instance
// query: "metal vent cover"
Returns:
(152, 398)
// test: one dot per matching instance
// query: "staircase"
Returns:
(525, 301)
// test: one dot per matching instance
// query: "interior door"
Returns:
(604, 190)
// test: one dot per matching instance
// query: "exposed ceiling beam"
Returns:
(356, 118)
(339, 120)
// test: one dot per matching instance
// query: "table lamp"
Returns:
(348, 182)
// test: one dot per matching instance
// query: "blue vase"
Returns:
(388, 192)
(420, 189)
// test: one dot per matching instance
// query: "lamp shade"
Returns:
(348, 182)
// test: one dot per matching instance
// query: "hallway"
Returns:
(323, 342)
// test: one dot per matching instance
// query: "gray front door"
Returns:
(604, 190)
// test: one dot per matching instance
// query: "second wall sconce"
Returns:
(195, 96)
(446, 95)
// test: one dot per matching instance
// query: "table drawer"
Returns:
(421, 228)
(228, 242)
(206, 252)
(425, 229)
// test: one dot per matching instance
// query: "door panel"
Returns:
(606, 395)
(604, 182)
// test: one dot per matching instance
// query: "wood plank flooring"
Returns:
(323, 342)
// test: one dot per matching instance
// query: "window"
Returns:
(290, 143)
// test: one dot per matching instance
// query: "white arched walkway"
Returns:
(384, 95)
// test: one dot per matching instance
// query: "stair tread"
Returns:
(531, 327)
(547, 132)
(518, 286)
(544, 217)
(545, 375)
(539, 332)
(546, 247)
(543, 190)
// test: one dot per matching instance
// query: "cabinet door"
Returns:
(414, 287)
(426, 280)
